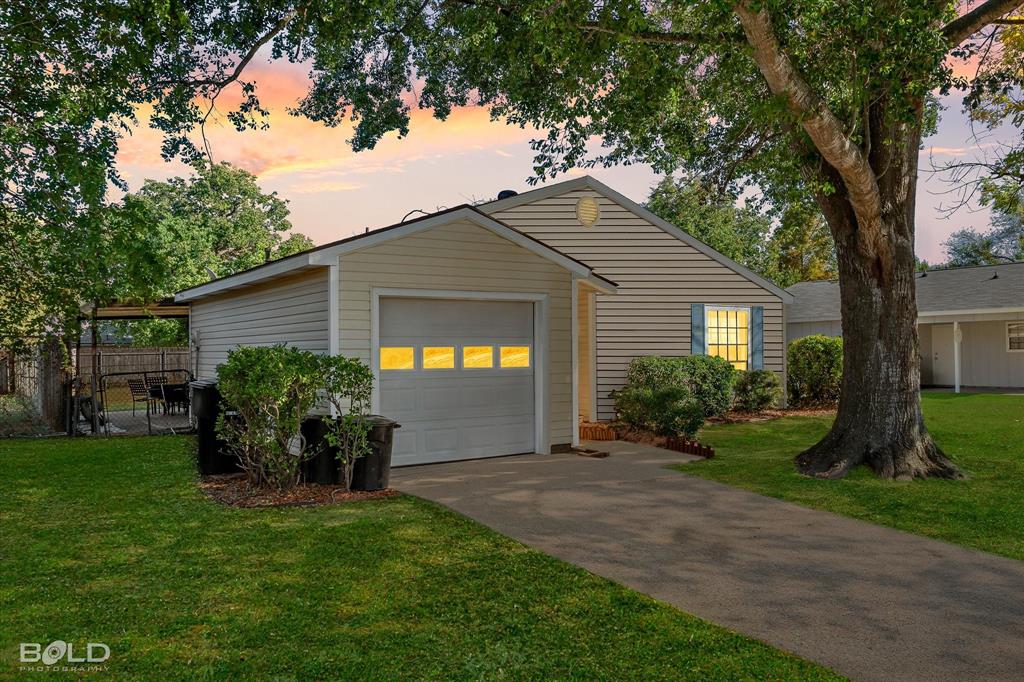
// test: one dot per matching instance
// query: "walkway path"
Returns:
(870, 602)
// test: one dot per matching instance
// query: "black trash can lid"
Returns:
(380, 420)
(203, 383)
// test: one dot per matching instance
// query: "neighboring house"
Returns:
(495, 329)
(970, 322)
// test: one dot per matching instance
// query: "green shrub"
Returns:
(757, 390)
(655, 370)
(710, 379)
(272, 389)
(348, 383)
(667, 411)
(815, 365)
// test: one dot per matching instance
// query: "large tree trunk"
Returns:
(879, 422)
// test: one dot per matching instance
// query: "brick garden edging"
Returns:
(690, 447)
(600, 431)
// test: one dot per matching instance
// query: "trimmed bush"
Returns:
(666, 411)
(348, 383)
(815, 365)
(710, 379)
(272, 389)
(757, 390)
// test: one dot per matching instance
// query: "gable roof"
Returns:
(327, 254)
(986, 288)
(588, 182)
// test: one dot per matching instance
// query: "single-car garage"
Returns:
(459, 376)
(470, 327)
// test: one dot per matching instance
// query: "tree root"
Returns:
(837, 453)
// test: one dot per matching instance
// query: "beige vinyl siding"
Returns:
(463, 256)
(291, 310)
(659, 276)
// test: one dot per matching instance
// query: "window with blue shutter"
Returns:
(733, 333)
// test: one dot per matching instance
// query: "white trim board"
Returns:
(575, 362)
(541, 393)
(588, 182)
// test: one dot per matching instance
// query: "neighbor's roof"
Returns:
(326, 254)
(985, 288)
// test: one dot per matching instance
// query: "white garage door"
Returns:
(458, 376)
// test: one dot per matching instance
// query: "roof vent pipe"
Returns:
(996, 275)
(506, 194)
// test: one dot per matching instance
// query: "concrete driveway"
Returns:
(869, 602)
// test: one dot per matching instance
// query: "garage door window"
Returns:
(477, 357)
(438, 357)
(397, 357)
(515, 356)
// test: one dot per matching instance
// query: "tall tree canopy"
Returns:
(212, 224)
(188, 230)
(794, 247)
(1002, 243)
(795, 97)
(697, 208)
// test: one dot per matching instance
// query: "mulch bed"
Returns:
(234, 491)
(768, 415)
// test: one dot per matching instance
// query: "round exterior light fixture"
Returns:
(588, 211)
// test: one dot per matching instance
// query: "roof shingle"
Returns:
(973, 288)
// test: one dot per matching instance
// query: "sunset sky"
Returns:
(334, 192)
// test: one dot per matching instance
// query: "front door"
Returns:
(942, 355)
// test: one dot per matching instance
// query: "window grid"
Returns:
(1015, 337)
(728, 335)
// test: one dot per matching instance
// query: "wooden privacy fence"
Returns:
(40, 375)
(118, 360)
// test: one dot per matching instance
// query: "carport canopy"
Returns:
(122, 310)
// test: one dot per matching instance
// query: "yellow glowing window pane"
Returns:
(442, 357)
(741, 353)
(713, 351)
(713, 335)
(742, 366)
(712, 318)
(477, 357)
(515, 356)
(398, 357)
(743, 319)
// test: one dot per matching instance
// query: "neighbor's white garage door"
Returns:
(458, 376)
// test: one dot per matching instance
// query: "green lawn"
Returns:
(109, 540)
(983, 433)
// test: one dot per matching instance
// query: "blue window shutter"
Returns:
(697, 346)
(757, 337)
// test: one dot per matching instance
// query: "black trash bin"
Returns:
(373, 472)
(323, 465)
(212, 455)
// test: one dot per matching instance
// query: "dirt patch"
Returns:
(769, 415)
(234, 491)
